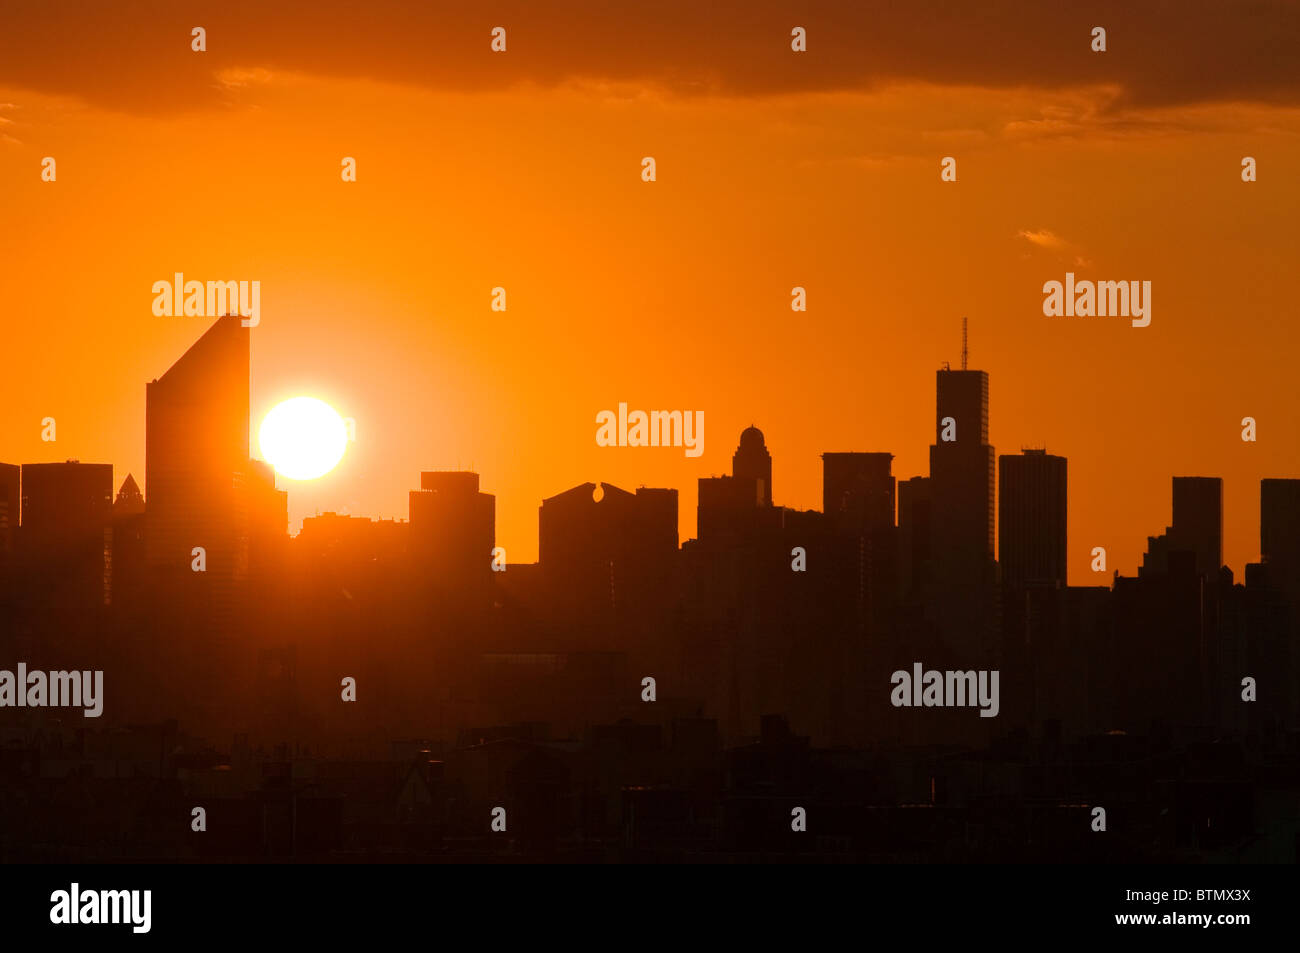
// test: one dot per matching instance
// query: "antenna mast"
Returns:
(963, 344)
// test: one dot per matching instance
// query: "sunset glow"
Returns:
(303, 438)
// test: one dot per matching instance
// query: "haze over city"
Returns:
(523, 172)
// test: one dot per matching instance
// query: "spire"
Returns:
(129, 498)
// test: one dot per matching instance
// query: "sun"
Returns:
(303, 438)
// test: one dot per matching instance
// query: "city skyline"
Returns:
(765, 612)
(764, 466)
(776, 170)
(724, 434)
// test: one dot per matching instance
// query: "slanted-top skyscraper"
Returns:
(196, 464)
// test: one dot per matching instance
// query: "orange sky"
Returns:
(666, 295)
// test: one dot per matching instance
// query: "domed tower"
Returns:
(752, 460)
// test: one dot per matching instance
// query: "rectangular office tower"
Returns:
(1032, 519)
(1279, 532)
(1279, 521)
(961, 466)
(66, 534)
(914, 538)
(961, 494)
(730, 510)
(453, 532)
(858, 502)
(858, 492)
(1198, 520)
(10, 510)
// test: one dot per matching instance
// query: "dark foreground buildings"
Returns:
(371, 687)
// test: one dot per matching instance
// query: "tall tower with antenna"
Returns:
(962, 488)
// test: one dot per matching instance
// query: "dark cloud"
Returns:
(136, 56)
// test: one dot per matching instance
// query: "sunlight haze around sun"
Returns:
(303, 438)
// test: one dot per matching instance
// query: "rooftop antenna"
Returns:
(963, 344)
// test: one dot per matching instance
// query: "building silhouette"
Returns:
(1198, 520)
(961, 598)
(603, 554)
(1032, 519)
(66, 533)
(1279, 530)
(751, 461)
(10, 514)
(268, 530)
(858, 503)
(773, 637)
(335, 538)
(728, 509)
(915, 539)
(1276, 608)
(858, 492)
(130, 556)
(196, 471)
(1196, 532)
(452, 532)
(736, 509)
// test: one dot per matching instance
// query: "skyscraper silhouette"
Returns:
(1032, 519)
(600, 555)
(961, 488)
(10, 512)
(1198, 520)
(1279, 522)
(914, 538)
(130, 574)
(753, 461)
(66, 532)
(453, 531)
(1196, 532)
(1279, 536)
(728, 509)
(858, 491)
(196, 465)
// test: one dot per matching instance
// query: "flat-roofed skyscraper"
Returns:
(453, 532)
(1195, 538)
(1279, 533)
(961, 467)
(1198, 520)
(1032, 519)
(914, 537)
(67, 533)
(858, 491)
(1279, 521)
(961, 493)
(10, 512)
